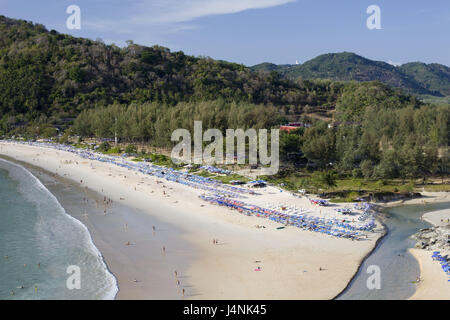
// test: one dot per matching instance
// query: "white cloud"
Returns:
(175, 15)
(395, 64)
(150, 21)
(173, 11)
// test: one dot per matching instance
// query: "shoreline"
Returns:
(426, 197)
(290, 258)
(377, 244)
(62, 213)
(70, 200)
(433, 284)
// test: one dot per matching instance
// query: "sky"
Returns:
(255, 31)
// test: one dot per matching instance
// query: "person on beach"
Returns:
(175, 273)
(164, 250)
(182, 291)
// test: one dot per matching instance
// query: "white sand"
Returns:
(427, 197)
(438, 218)
(290, 258)
(433, 284)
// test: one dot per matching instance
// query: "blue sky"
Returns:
(255, 31)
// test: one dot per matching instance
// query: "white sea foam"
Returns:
(34, 191)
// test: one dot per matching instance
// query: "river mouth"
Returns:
(398, 268)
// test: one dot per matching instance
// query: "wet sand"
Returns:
(142, 270)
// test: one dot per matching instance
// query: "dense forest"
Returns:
(378, 133)
(52, 83)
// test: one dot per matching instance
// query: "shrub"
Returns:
(104, 146)
(357, 173)
(131, 148)
(114, 150)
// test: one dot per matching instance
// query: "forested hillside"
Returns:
(415, 78)
(46, 77)
(434, 77)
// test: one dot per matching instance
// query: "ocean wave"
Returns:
(49, 228)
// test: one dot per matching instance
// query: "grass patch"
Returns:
(228, 178)
(437, 187)
(294, 181)
(351, 197)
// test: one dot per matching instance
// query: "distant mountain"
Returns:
(434, 77)
(266, 66)
(416, 78)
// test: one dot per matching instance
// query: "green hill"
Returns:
(415, 78)
(48, 77)
(434, 77)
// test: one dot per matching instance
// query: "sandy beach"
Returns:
(427, 197)
(434, 283)
(293, 263)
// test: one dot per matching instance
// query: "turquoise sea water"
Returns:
(39, 242)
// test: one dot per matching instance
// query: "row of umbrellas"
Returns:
(443, 261)
(169, 174)
(333, 227)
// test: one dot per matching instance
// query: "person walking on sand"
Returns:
(183, 291)
(164, 250)
(175, 274)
